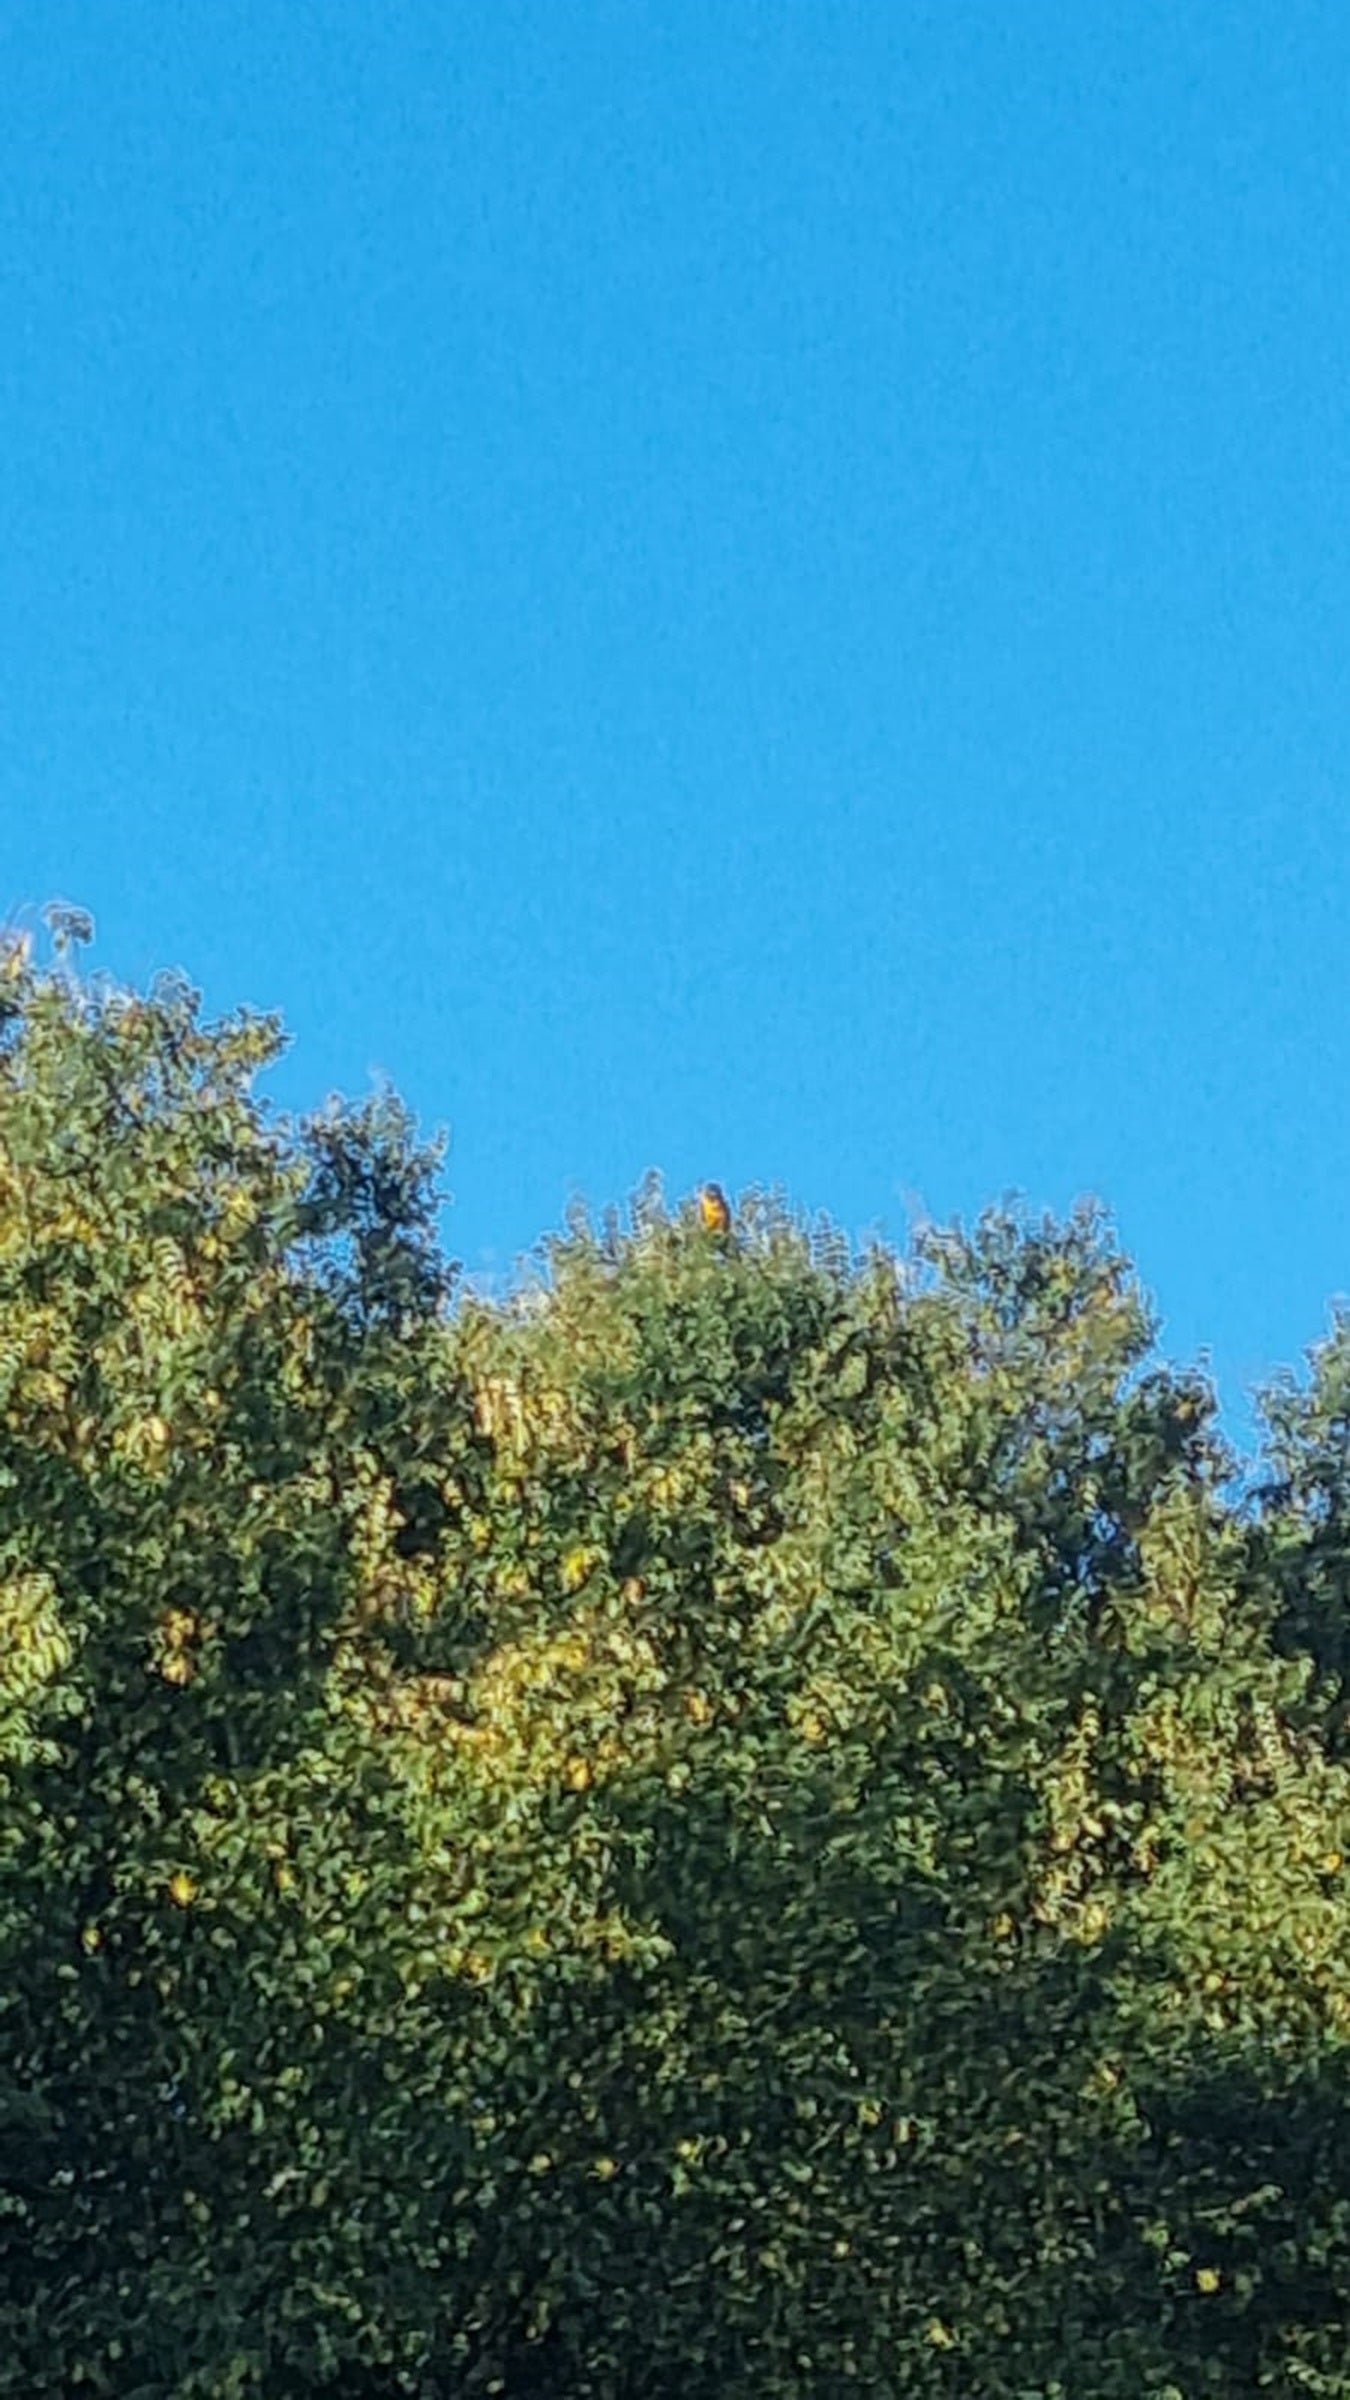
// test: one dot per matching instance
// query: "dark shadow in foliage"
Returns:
(367, 1223)
(1247, 2172)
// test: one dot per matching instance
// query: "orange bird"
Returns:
(713, 1213)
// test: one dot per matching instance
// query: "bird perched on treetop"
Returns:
(713, 1213)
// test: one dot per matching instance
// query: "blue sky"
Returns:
(760, 591)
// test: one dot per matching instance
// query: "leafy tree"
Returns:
(748, 1821)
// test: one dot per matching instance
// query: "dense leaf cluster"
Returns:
(749, 1822)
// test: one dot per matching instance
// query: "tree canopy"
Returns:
(748, 1820)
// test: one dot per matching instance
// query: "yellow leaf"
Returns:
(182, 1890)
(1207, 2279)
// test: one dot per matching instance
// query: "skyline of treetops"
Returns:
(748, 1820)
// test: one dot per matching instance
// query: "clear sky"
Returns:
(756, 590)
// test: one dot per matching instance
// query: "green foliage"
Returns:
(747, 1822)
